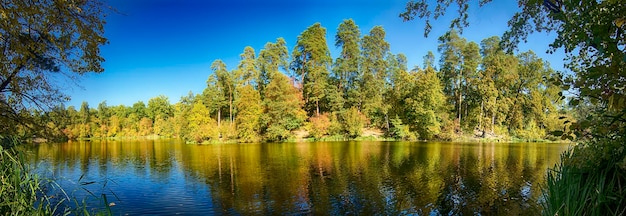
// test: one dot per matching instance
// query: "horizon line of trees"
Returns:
(476, 89)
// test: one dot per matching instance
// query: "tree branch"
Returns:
(6, 82)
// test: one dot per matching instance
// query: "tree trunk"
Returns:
(317, 107)
(387, 120)
(6, 82)
(460, 95)
(230, 107)
(493, 117)
(480, 119)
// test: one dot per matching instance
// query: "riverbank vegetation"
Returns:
(480, 89)
(590, 178)
(475, 90)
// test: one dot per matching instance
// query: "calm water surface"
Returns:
(328, 178)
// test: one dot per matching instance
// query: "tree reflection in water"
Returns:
(335, 178)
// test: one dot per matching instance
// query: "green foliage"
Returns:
(273, 56)
(478, 89)
(401, 131)
(374, 49)
(353, 122)
(39, 39)
(589, 181)
(201, 126)
(250, 110)
(159, 108)
(21, 193)
(311, 63)
(346, 67)
(283, 112)
(335, 128)
(424, 103)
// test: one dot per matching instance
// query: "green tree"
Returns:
(159, 110)
(201, 126)
(353, 122)
(272, 58)
(249, 106)
(425, 104)
(247, 70)
(374, 49)
(400, 84)
(346, 67)
(592, 35)
(85, 120)
(471, 99)
(39, 40)
(225, 85)
(451, 47)
(213, 96)
(283, 109)
(159, 107)
(493, 81)
(139, 109)
(311, 62)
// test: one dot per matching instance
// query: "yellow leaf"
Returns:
(620, 22)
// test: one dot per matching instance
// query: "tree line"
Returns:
(474, 89)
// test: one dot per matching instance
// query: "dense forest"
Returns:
(474, 90)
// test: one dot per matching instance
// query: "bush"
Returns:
(318, 125)
(400, 131)
(353, 122)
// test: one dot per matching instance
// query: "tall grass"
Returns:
(22, 192)
(586, 184)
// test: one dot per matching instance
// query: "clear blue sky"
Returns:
(165, 47)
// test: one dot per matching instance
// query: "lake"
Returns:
(329, 178)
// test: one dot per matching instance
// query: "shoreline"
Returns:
(459, 139)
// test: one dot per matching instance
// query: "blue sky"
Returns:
(165, 47)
